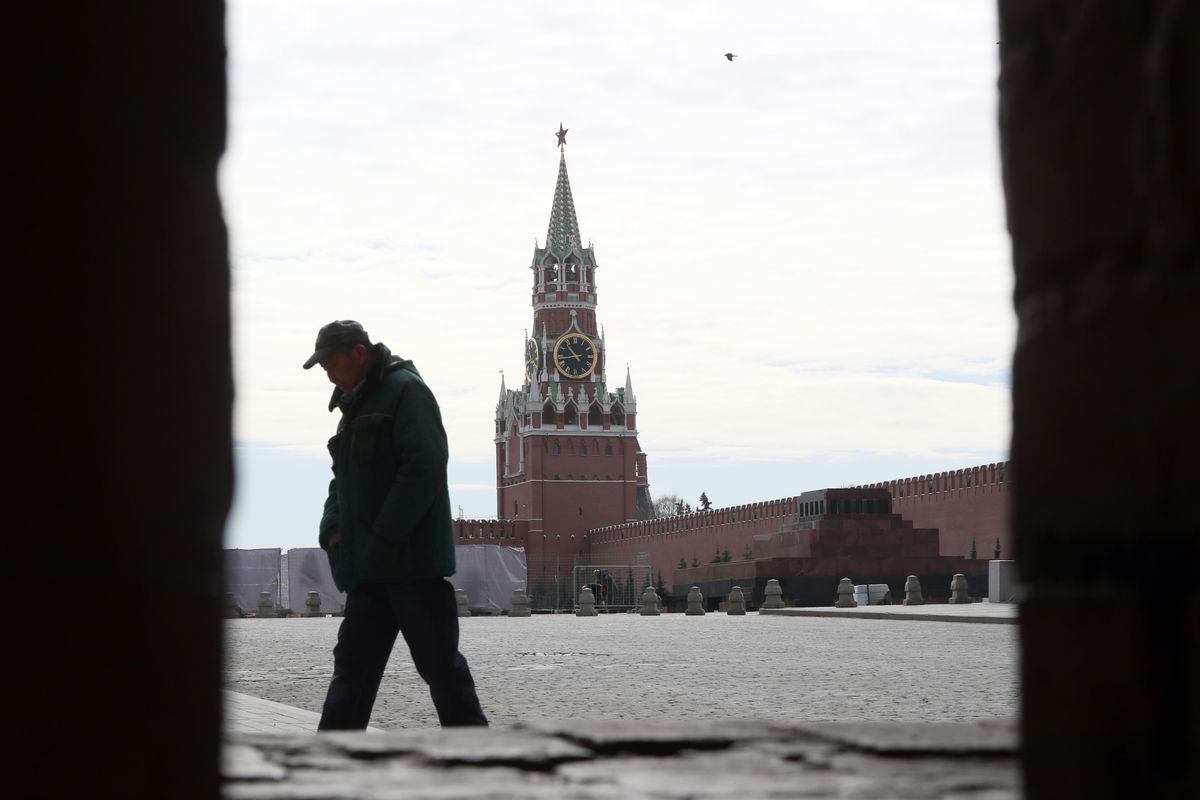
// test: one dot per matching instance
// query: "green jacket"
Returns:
(388, 498)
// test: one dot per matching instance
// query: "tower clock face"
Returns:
(575, 355)
(532, 358)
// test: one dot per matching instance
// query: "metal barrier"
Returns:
(553, 582)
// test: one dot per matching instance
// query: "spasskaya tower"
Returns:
(567, 454)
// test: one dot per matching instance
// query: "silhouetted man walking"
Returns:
(386, 529)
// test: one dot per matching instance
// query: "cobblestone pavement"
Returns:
(672, 667)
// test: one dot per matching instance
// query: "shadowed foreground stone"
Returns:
(1100, 144)
(607, 759)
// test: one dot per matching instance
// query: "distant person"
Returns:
(608, 586)
(386, 530)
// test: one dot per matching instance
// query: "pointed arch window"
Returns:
(570, 415)
(594, 418)
(618, 415)
(557, 450)
(548, 413)
(608, 448)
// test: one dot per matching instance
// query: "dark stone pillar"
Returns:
(1100, 135)
(119, 383)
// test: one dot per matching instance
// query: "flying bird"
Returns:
(730, 56)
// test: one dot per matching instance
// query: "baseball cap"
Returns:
(339, 333)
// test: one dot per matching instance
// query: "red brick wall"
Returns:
(700, 534)
(964, 505)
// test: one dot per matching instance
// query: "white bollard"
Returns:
(650, 601)
(312, 605)
(695, 602)
(845, 592)
(737, 602)
(912, 592)
(587, 603)
(266, 605)
(520, 604)
(958, 589)
(773, 595)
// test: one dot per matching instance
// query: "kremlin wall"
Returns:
(878, 533)
(969, 507)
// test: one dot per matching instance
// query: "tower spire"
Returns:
(563, 234)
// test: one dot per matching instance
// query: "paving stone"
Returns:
(661, 737)
(244, 762)
(998, 737)
(454, 746)
(790, 763)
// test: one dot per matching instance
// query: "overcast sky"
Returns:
(802, 252)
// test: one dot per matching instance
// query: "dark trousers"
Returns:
(426, 612)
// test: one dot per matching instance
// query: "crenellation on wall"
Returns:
(506, 532)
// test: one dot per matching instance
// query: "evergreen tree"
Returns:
(716, 555)
(661, 588)
(972, 548)
(682, 563)
(747, 554)
(997, 548)
(705, 505)
(725, 555)
(695, 561)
